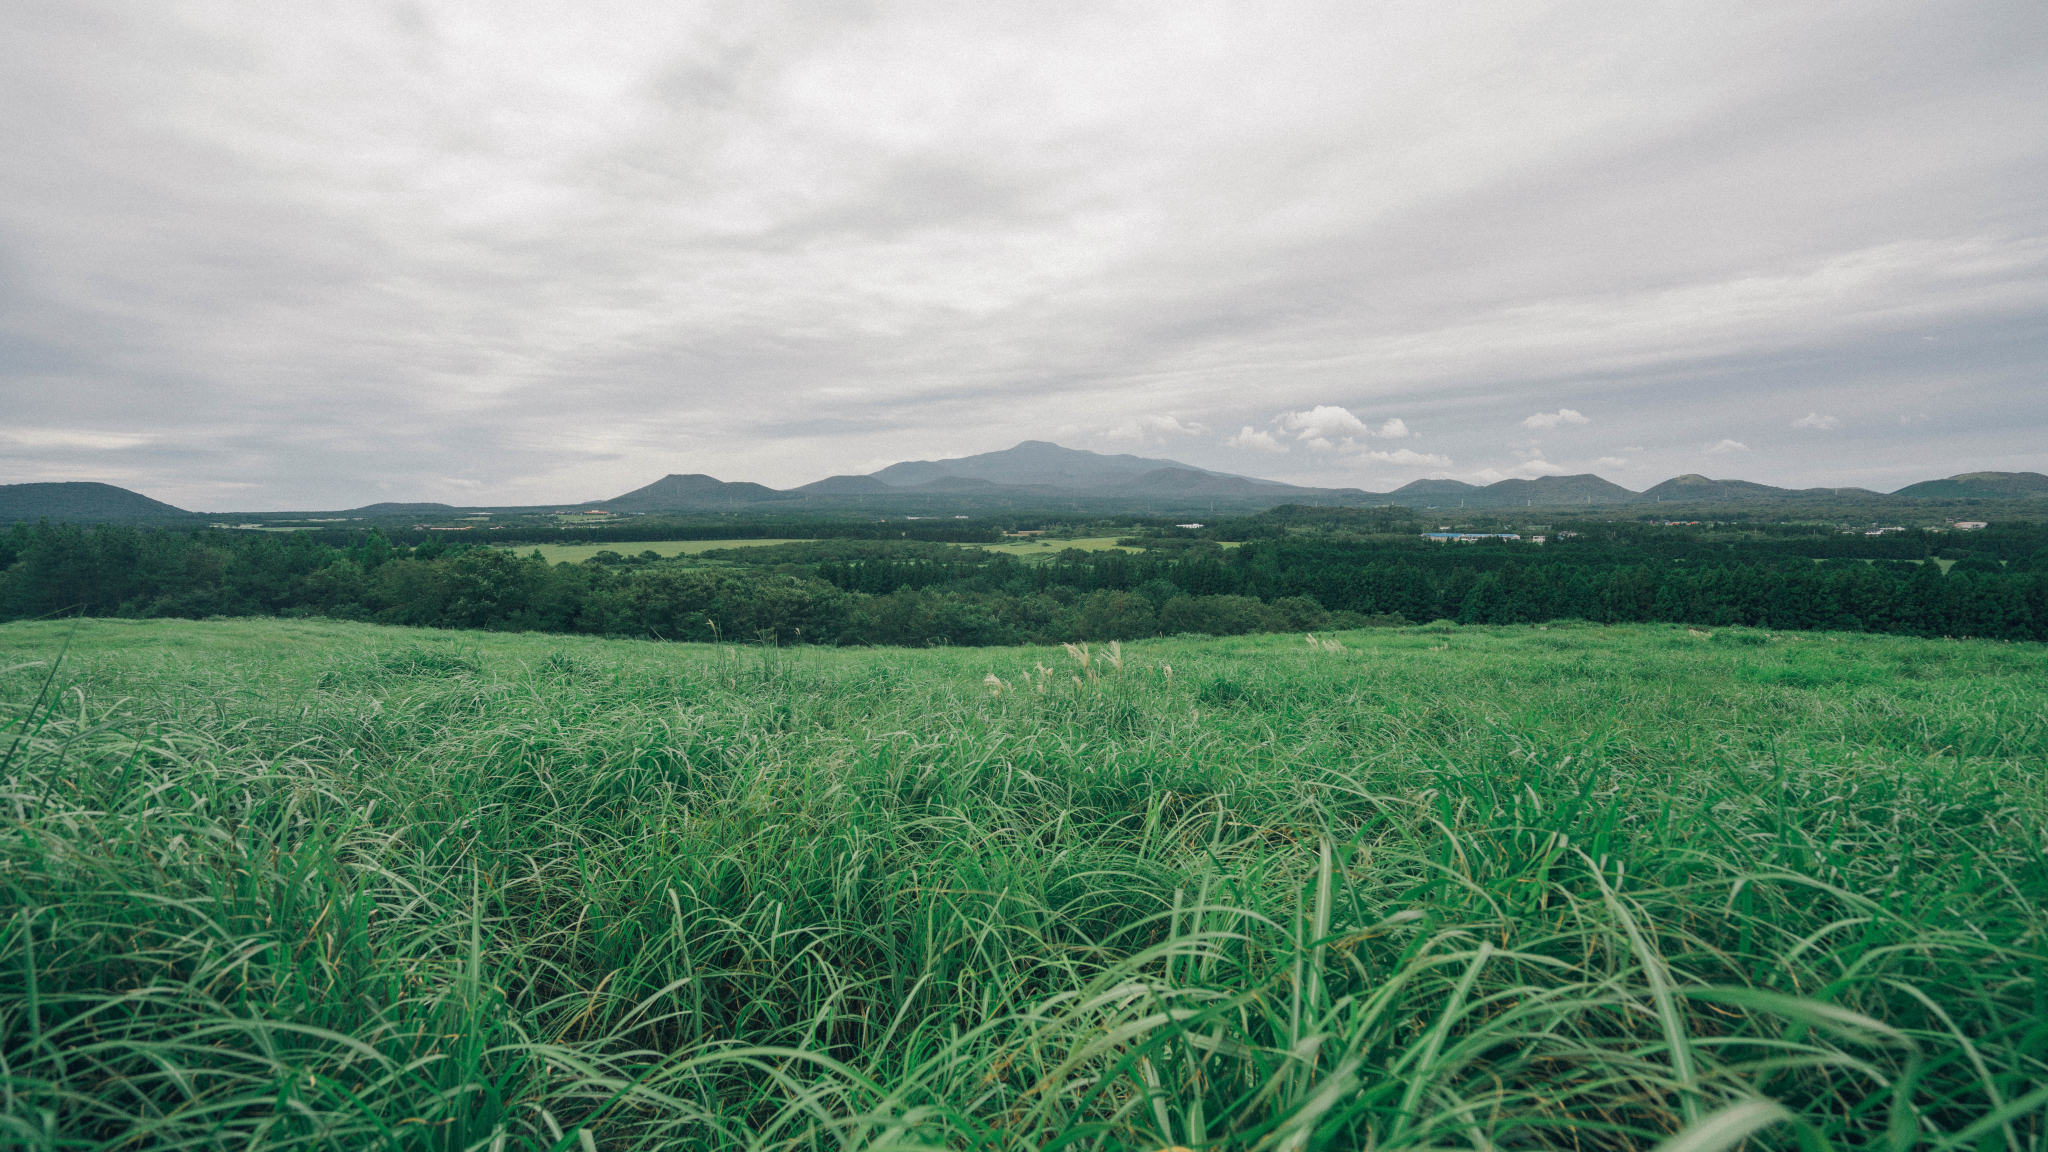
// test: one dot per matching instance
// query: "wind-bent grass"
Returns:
(280, 884)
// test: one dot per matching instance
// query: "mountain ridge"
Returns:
(1038, 462)
(1038, 474)
(1980, 486)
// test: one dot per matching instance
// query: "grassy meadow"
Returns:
(1039, 546)
(295, 884)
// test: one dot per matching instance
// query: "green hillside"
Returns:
(1980, 485)
(310, 885)
(81, 502)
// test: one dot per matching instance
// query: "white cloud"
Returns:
(1528, 469)
(1612, 461)
(1408, 456)
(1149, 429)
(1723, 447)
(1818, 422)
(1329, 426)
(1530, 464)
(1255, 440)
(75, 438)
(1321, 426)
(1553, 419)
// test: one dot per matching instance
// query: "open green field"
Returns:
(1040, 546)
(578, 553)
(297, 884)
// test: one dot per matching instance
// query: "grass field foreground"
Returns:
(295, 884)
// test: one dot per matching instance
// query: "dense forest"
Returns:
(905, 591)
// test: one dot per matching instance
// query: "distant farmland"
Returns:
(1040, 546)
(577, 553)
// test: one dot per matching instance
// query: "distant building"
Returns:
(1190, 525)
(1968, 525)
(1469, 537)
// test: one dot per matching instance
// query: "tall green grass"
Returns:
(299, 885)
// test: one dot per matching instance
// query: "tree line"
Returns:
(657, 527)
(907, 592)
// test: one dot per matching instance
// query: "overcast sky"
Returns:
(311, 255)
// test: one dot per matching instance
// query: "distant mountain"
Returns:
(389, 508)
(1034, 463)
(1027, 476)
(1697, 489)
(81, 501)
(950, 484)
(674, 492)
(1980, 486)
(1036, 475)
(1693, 486)
(1186, 482)
(1451, 488)
(1547, 490)
(2006, 483)
(1192, 482)
(1584, 488)
(845, 486)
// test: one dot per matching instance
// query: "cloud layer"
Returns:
(1559, 418)
(331, 253)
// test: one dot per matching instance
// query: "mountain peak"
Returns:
(681, 490)
(1033, 462)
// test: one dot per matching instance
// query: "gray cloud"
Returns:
(318, 256)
